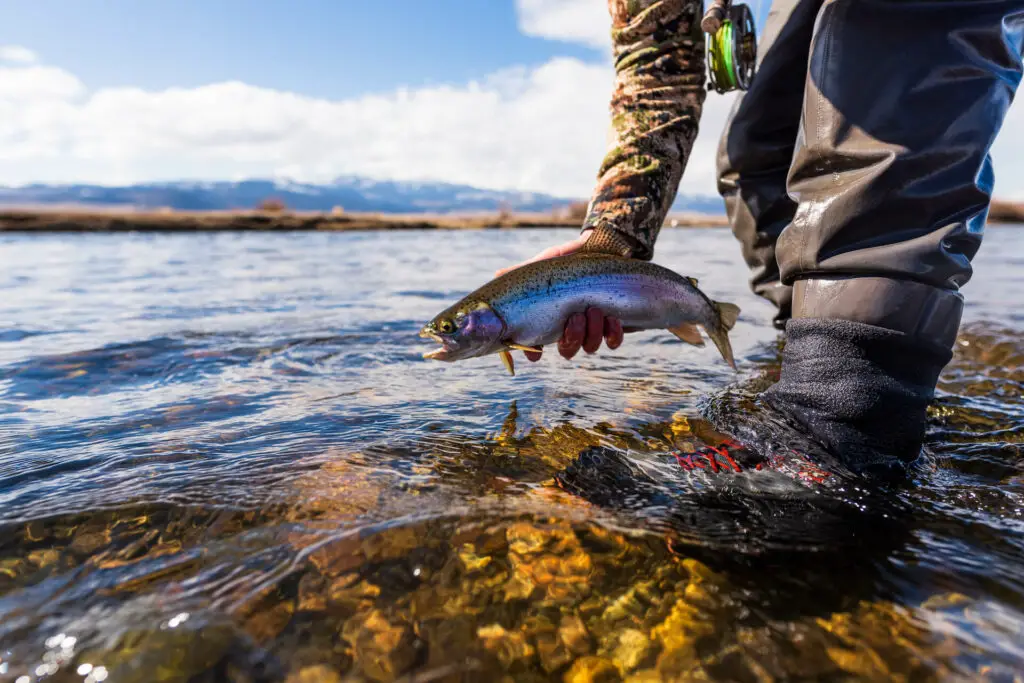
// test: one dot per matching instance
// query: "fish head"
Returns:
(465, 331)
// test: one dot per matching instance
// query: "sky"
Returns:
(500, 94)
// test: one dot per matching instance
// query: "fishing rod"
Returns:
(731, 45)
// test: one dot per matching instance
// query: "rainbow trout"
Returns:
(527, 308)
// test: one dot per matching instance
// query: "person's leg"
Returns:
(892, 179)
(756, 149)
(891, 172)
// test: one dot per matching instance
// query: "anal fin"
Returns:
(689, 333)
(510, 364)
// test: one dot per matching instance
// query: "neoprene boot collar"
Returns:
(920, 311)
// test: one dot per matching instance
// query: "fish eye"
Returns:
(446, 326)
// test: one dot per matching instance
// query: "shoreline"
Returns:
(79, 220)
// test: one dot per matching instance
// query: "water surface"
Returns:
(223, 458)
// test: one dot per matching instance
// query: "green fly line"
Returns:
(732, 48)
(723, 63)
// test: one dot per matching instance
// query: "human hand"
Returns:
(569, 247)
(582, 330)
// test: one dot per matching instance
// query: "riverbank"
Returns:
(128, 220)
(1006, 212)
(78, 220)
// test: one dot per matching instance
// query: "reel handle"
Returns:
(715, 15)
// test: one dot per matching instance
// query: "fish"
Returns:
(526, 308)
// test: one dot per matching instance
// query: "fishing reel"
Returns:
(731, 45)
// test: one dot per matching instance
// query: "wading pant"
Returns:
(856, 170)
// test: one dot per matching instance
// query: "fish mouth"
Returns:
(443, 353)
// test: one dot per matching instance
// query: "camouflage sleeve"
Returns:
(655, 110)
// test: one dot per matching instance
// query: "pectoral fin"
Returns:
(510, 364)
(689, 333)
(520, 347)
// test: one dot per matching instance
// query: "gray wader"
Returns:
(857, 178)
(856, 169)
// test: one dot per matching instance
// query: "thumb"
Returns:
(551, 252)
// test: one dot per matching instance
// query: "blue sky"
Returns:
(322, 48)
(500, 94)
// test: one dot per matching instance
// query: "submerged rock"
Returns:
(592, 670)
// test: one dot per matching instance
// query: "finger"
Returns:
(613, 332)
(533, 356)
(572, 336)
(595, 330)
(551, 252)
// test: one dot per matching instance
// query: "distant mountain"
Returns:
(699, 203)
(353, 193)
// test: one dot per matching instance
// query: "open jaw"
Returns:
(443, 353)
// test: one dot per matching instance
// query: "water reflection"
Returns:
(229, 463)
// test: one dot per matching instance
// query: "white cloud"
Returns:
(1008, 156)
(541, 129)
(35, 84)
(16, 54)
(537, 129)
(578, 21)
(700, 176)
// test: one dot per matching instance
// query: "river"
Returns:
(222, 457)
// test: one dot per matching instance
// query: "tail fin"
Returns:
(727, 314)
